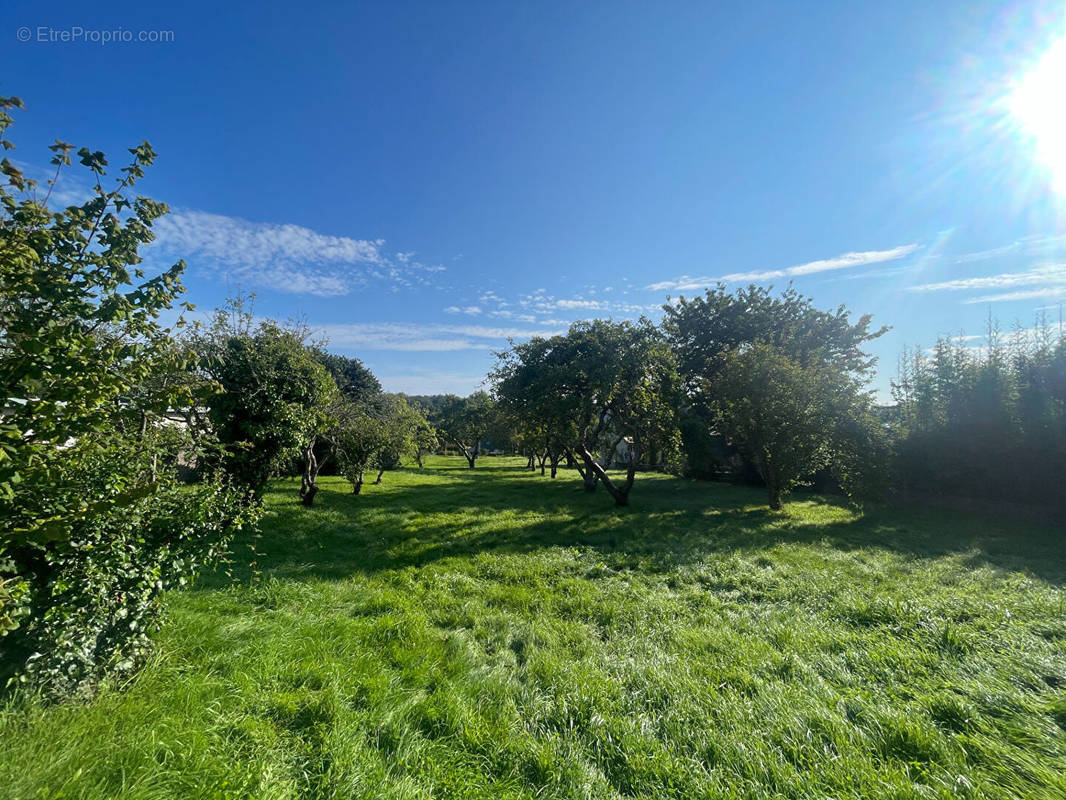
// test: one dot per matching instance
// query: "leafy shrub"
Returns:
(93, 598)
(94, 524)
(271, 393)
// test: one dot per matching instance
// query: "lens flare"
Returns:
(1038, 103)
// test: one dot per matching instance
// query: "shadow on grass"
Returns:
(447, 511)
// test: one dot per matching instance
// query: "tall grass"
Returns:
(492, 633)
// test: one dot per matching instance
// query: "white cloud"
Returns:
(1027, 245)
(472, 310)
(588, 305)
(1044, 274)
(843, 261)
(1028, 294)
(284, 257)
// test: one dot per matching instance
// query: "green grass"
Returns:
(492, 633)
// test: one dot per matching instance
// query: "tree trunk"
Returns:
(542, 457)
(377, 480)
(770, 478)
(555, 464)
(418, 460)
(308, 485)
(619, 493)
(531, 463)
(357, 485)
(773, 491)
(589, 477)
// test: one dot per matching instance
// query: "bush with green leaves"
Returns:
(93, 522)
(272, 395)
(95, 596)
(791, 420)
(357, 437)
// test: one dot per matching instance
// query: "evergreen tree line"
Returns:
(986, 422)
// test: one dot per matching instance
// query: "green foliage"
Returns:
(358, 436)
(93, 523)
(706, 454)
(789, 420)
(403, 424)
(602, 384)
(703, 331)
(464, 421)
(487, 634)
(96, 596)
(730, 344)
(988, 424)
(272, 394)
(424, 441)
(354, 381)
(78, 333)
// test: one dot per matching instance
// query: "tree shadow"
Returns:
(672, 522)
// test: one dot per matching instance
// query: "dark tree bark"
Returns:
(555, 463)
(308, 481)
(377, 480)
(471, 453)
(542, 457)
(589, 478)
(773, 483)
(619, 493)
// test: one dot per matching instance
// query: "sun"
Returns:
(1038, 104)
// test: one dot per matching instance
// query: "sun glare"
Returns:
(1038, 103)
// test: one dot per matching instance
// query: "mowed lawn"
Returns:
(492, 633)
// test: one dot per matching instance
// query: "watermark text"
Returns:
(78, 34)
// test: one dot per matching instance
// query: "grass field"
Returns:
(492, 633)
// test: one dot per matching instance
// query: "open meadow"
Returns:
(492, 633)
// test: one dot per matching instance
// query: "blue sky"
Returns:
(422, 180)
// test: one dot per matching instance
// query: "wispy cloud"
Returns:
(585, 305)
(1044, 274)
(283, 257)
(1027, 294)
(471, 310)
(843, 261)
(1027, 245)
(416, 337)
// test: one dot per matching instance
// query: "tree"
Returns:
(464, 422)
(705, 332)
(399, 422)
(424, 441)
(599, 386)
(358, 437)
(271, 395)
(986, 422)
(787, 419)
(354, 381)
